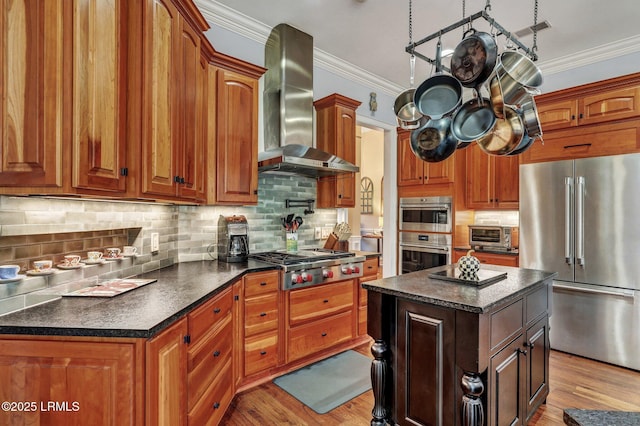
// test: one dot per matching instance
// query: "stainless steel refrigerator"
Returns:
(581, 218)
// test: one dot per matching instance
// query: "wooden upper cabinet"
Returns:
(233, 121)
(492, 181)
(161, 55)
(606, 101)
(99, 94)
(414, 171)
(31, 84)
(336, 134)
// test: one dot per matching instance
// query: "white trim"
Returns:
(591, 56)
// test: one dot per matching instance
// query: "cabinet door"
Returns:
(496, 259)
(610, 105)
(346, 183)
(479, 179)
(506, 181)
(558, 115)
(425, 388)
(161, 46)
(410, 167)
(189, 112)
(440, 172)
(99, 90)
(167, 377)
(538, 348)
(97, 380)
(236, 138)
(31, 88)
(506, 369)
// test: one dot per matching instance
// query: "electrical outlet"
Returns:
(326, 230)
(155, 242)
(318, 233)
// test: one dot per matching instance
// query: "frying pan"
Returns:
(473, 120)
(433, 142)
(506, 135)
(439, 95)
(474, 58)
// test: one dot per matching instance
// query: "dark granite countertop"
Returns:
(512, 252)
(420, 287)
(140, 313)
(577, 417)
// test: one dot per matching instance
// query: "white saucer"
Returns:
(11, 280)
(113, 258)
(63, 266)
(93, 262)
(35, 273)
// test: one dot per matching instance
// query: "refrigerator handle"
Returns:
(568, 256)
(580, 220)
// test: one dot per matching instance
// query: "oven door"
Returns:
(415, 258)
(425, 216)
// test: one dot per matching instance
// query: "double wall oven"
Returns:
(425, 233)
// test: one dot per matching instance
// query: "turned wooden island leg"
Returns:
(378, 382)
(472, 409)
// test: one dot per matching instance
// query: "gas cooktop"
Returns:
(301, 256)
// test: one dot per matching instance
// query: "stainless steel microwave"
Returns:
(425, 214)
(492, 236)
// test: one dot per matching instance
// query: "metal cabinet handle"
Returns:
(325, 301)
(263, 352)
(568, 186)
(263, 314)
(324, 334)
(263, 283)
(216, 354)
(522, 351)
(216, 405)
(580, 220)
(216, 311)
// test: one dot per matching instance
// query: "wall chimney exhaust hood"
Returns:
(288, 109)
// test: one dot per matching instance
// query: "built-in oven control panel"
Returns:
(322, 275)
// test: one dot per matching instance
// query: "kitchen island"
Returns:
(449, 353)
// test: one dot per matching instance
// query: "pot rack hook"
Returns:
(487, 6)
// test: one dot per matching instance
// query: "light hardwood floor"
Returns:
(575, 382)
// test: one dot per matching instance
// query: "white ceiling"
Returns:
(372, 34)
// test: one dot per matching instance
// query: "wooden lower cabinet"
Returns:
(318, 335)
(489, 258)
(94, 381)
(370, 273)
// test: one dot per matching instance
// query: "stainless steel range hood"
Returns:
(288, 109)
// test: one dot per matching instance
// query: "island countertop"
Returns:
(140, 313)
(420, 287)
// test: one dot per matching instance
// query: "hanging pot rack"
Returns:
(484, 14)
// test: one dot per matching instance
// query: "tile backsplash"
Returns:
(49, 227)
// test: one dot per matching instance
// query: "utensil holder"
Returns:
(292, 241)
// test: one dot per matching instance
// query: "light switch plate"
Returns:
(155, 242)
(318, 233)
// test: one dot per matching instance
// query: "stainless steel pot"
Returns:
(474, 59)
(473, 120)
(517, 77)
(405, 109)
(505, 136)
(439, 95)
(433, 141)
(529, 113)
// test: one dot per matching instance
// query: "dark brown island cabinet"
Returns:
(448, 353)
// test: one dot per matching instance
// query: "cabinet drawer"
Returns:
(313, 337)
(316, 302)
(260, 314)
(370, 269)
(537, 303)
(506, 324)
(260, 352)
(212, 406)
(260, 283)
(205, 359)
(206, 316)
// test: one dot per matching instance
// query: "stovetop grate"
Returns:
(285, 258)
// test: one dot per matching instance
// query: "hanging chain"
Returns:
(534, 48)
(410, 26)
(464, 9)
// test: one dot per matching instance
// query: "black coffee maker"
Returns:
(233, 241)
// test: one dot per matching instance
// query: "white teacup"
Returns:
(9, 271)
(42, 265)
(129, 250)
(71, 260)
(112, 252)
(94, 256)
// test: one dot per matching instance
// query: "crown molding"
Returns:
(591, 56)
(234, 21)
